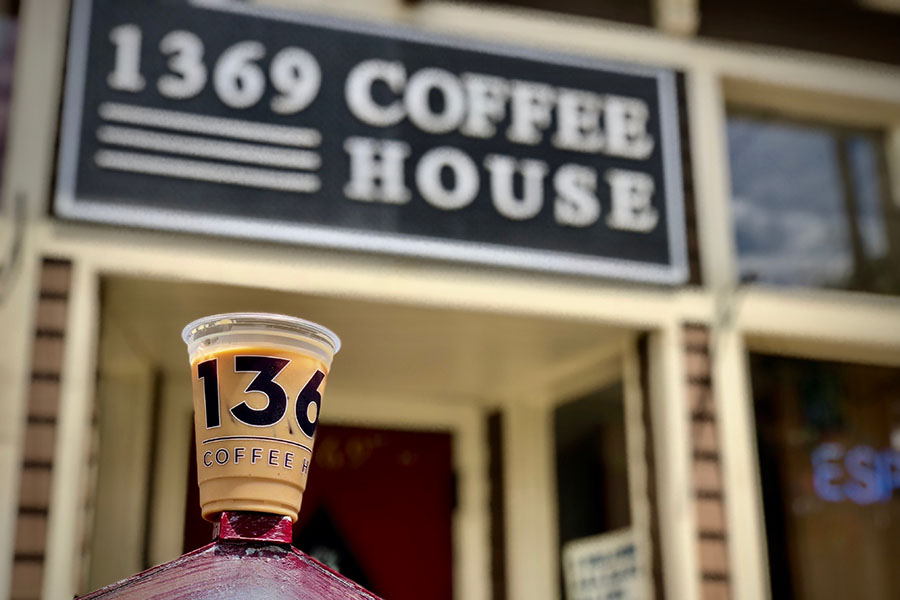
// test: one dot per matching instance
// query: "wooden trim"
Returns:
(672, 446)
(644, 516)
(69, 516)
(653, 498)
(497, 492)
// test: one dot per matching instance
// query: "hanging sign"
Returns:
(224, 118)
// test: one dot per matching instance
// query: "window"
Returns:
(829, 453)
(811, 205)
(591, 465)
(593, 502)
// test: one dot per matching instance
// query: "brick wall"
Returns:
(712, 539)
(40, 432)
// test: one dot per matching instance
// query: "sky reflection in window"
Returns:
(808, 205)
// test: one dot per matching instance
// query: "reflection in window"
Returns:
(811, 206)
(591, 466)
(592, 492)
(829, 454)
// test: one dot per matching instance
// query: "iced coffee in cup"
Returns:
(258, 381)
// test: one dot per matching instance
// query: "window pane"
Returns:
(829, 451)
(810, 206)
(591, 466)
(598, 551)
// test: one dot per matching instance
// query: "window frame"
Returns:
(530, 429)
(839, 130)
(805, 323)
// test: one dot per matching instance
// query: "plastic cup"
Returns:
(258, 381)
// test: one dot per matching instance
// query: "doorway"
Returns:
(423, 378)
(376, 499)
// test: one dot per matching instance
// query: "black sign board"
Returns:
(224, 118)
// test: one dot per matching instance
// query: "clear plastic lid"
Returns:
(207, 329)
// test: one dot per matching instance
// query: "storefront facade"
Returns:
(690, 414)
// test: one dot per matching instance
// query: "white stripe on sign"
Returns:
(193, 123)
(204, 147)
(183, 168)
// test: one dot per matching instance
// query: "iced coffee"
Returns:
(258, 382)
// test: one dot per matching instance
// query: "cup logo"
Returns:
(267, 368)
(257, 412)
(257, 386)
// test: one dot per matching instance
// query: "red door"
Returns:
(378, 508)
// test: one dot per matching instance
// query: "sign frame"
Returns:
(479, 253)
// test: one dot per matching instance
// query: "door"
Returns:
(378, 508)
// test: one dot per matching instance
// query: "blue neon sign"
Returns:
(860, 474)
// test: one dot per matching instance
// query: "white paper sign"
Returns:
(602, 567)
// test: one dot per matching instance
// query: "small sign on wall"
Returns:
(224, 118)
(602, 567)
